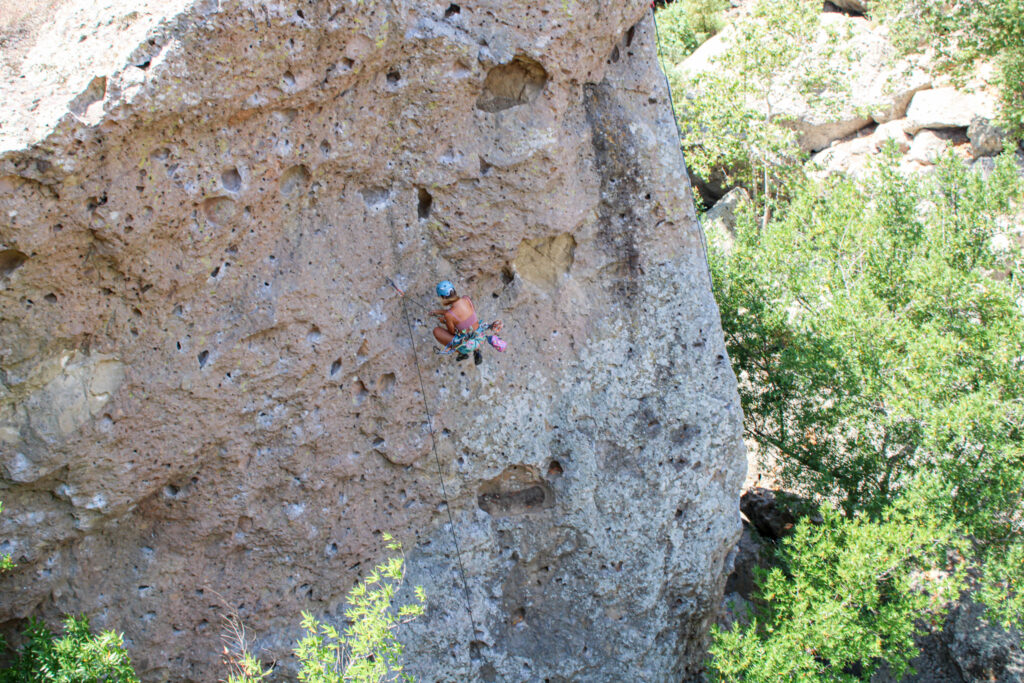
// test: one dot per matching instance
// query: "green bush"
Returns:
(734, 130)
(76, 656)
(849, 594)
(367, 651)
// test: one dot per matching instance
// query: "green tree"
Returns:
(735, 129)
(76, 656)
(880, 362)
(367, 650)
(685, 24)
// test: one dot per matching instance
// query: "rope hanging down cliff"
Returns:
(437, 458)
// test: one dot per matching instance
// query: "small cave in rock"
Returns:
(452, 10)
(231, 179)
(393, 77)
(555, 469)
(386, 383)
(363, 352)
(219, 210)
(509, 85)
(294, 179)
(94, 203)
(517, 490)
(423, 204)
(203, 358)
(11, 260)
(359, 392)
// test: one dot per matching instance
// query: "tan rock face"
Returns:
(209, 391)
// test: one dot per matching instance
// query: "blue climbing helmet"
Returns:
(445, 288)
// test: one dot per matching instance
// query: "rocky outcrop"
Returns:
(210, 395)
(948, 107)
(873, 86)
(874, 99)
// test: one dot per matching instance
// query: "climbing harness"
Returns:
(466, 342)
(679, 140)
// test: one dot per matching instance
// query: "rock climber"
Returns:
(460, 329)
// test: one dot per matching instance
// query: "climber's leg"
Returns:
(443, 336)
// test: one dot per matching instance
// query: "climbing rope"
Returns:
(679, 139)
(437, 458)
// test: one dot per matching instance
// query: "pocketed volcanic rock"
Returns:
(211, 398)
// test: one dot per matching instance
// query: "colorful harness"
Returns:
(466, 342)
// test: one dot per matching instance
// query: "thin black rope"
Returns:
(679, 139)
(440, 475)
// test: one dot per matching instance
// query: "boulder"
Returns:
(986, 138)
(880, 86)
(895, 131)
(948, 108)
(927, 146)
(211, 396)
(849, 155)
(983, 651)
(720, 220)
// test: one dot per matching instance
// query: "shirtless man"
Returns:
(459, 316)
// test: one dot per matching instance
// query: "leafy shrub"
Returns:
(77, 656)
(849, 594)
(873, 340)
(367, 651)
(735, 132)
